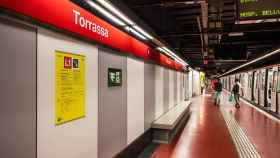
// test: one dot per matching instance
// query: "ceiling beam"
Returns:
(179, 35)
(181, 18)
(186, 11)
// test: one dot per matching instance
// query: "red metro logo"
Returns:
(89, 25)
(67, 62)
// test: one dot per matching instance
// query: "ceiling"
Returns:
(196, 28)
(178, 23)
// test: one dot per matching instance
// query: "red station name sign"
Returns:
(67, 16)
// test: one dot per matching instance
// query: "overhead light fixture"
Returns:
(164, 51)
(193, 2)
(251, 62)
(173, 55)
(233, 34)
(182, 63)
(160, 49)
(143, 32)
(106, 13)
(114, 10)
(190, 2)
(129, 25)
(129, 29)
(167, 51)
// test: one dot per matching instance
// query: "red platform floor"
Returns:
(206, 134)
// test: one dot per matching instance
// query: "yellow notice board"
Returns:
(69, 87)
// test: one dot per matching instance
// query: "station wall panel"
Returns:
(159, 91)
(76, 138)
(166, 90)
(189, 79)
(18, 90)
(182, 86)
(149, 94)
(175, 88)
(179, 87)
(135, 99)
(171, 89)
(196, 83)
(112, 127)
(186, 85)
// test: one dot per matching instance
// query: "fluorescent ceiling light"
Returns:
(114, 10)
(235, 34)
(143, 32)
(160, 49)
(136, 30)
(173, 55)
(251, 62)
(129, 29)
(183, 63)
(137, 34)
(257, 21)
(165, 50)
(190, 2)
(106, 13)
(193, 2)
(170, 52)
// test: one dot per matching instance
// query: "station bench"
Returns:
(169, 124)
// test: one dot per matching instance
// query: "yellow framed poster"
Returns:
(69, 87)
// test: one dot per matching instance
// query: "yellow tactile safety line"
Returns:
(245, 148)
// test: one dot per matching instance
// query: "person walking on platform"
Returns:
(235, 91)
(218, 87)
(202, 88)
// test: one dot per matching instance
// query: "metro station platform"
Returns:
(122, 79)
(224, 131)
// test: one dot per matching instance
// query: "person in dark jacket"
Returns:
(218, 92)
(235, 91)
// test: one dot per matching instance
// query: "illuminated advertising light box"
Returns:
(114, 77)
(258, 9)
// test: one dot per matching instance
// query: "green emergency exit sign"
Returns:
(114, 77)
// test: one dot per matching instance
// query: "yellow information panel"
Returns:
(69, 87)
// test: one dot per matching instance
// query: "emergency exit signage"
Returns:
(114, 77)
